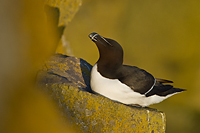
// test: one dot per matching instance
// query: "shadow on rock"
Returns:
(67, 70)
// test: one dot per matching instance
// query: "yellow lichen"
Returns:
(94, 113)
(68, 9)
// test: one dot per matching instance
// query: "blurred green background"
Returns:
(159, 36)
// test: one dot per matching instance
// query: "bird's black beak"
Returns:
(97, 38)
(93, 36)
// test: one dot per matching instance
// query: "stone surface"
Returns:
(63, 69)
(66, 77)
(67, 8)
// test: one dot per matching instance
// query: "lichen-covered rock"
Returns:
(63, 76)
(68, 9)
(63, 69)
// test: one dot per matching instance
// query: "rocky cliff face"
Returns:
(66, 79)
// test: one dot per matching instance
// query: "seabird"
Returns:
(122, 83)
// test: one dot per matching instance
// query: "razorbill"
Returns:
(125, 84)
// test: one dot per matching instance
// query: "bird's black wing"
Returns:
(163, 90)
(137, 79)
(163, 80)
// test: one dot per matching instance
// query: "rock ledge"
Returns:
(66, 79)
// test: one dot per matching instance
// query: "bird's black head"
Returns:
(111, 53)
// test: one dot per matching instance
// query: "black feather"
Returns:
(163, 90)
(137, 79)
(163, 80)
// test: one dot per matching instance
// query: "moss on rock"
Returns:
(68, 9)
(63, 76)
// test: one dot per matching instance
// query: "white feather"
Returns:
(117, 91)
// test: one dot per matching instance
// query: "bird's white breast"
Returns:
(117, 91)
